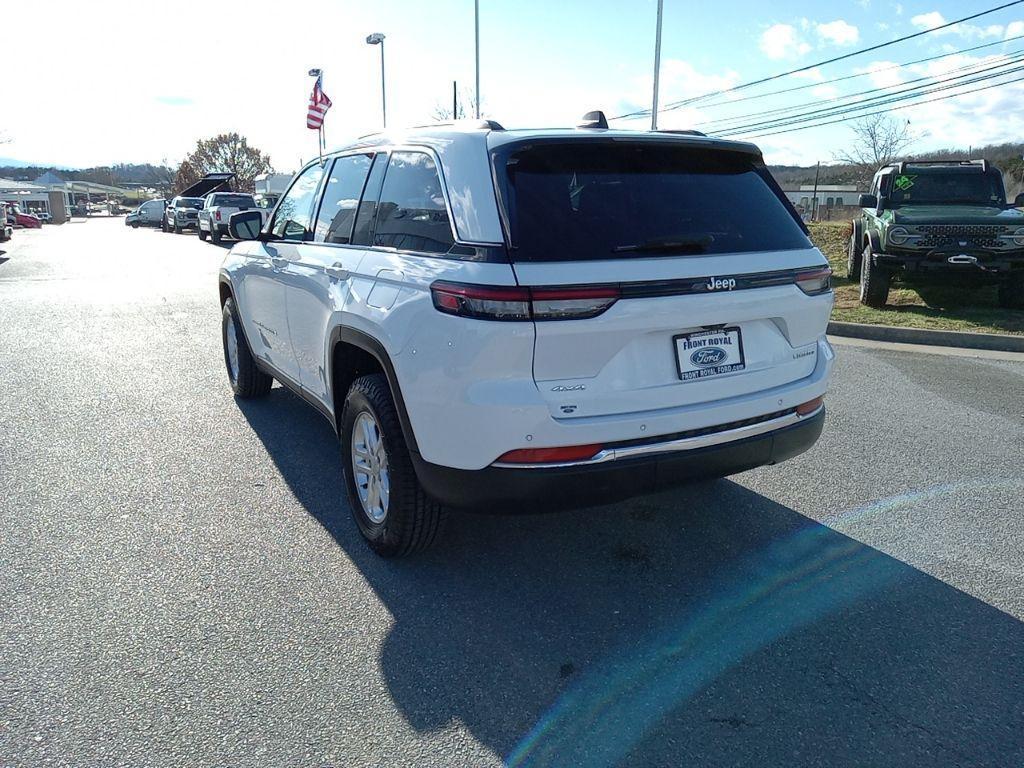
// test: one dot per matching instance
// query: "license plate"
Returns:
(702, 354)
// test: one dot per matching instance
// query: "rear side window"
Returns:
(341, 199)
(412, 215)
(367, 212)
(574, 201)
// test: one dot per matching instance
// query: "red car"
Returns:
(17, 218)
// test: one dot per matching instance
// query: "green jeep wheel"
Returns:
(874, 281)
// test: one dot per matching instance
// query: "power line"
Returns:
(892, 109)
(833, 60)
(863, 104)
(967, 70)
(805, 86)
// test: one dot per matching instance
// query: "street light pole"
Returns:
(476, 24)
(657, 69)
(377, 38)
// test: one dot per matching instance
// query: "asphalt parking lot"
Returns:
(181, 583)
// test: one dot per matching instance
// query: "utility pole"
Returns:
(455, 100)
(657, 69)
(476, 23)
(814, 204)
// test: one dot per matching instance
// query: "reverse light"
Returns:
(520, 303)
(550, 455)
(810, 406)
(815, 281)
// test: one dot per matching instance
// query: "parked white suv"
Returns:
(217, 210)
(517, 320)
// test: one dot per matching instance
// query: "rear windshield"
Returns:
(949, 188)
(234, 200)
(568, 201)
(189, 202)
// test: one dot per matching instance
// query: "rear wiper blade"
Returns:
(669, 244)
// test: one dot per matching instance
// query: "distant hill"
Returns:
(130, 174)
(1006, 157)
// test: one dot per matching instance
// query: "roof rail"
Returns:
(682, 131)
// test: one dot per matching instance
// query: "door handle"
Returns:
(338, 271)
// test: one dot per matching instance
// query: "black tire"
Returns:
(135, 225)
(177, 229)
(412, 520)
(249, 381)
(1011, 291)
(215, 236)
(163, 225)
(853, 251)
(874, 281)
(202, 233)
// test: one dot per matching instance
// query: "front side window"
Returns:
(589, 200)
(293, 218)
(412, 215)
(341, 199)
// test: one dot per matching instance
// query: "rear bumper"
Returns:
(506, 489)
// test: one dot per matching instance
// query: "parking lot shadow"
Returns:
(706, 626)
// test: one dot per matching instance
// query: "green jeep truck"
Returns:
(929, 222)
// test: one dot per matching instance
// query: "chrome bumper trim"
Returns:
(675, 446)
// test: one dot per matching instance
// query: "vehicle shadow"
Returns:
(705, 626)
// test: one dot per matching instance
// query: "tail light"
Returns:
(216, 215)
(519, 303)
(815, 281)
(550, 455)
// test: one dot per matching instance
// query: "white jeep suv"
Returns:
(519, 320)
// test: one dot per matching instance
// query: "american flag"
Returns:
(318, 106)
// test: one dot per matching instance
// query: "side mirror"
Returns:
(245, 225)
(1018, 201)
(867, 201)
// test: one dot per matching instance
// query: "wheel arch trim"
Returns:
(343, 334)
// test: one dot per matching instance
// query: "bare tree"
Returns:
(226, 153)
(877, 140)
(465, 107)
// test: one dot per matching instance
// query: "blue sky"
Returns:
(153, 82)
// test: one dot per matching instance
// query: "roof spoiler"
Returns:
(901, 166)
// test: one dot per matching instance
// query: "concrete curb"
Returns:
(989, 341)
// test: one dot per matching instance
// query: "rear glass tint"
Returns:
(954, 187)
(568, 201)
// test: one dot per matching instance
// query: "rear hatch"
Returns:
(682, 275)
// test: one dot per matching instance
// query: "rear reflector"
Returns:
(520, 303)
(815, 281)
(550, 455)
(810, 406)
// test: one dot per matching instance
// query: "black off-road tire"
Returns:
(1011, 291)
(874, 281)
(250, 381)
(853, 251)
(413, 520)
(215, 236)
(202, 233)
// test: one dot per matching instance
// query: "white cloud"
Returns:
(825, 91)
(1015, 28)
(781, 41)
(928, 20)
(883, 74)
(968, 31)
(838, 32)
(813, 74)
(898, 8)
